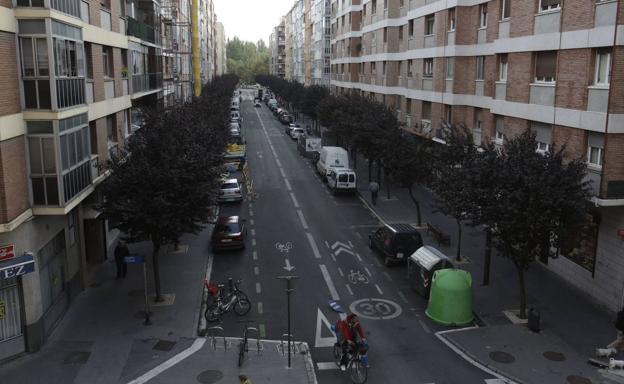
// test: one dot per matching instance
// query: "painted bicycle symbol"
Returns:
(283, 248)
(357, 277)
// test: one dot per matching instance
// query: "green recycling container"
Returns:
(450, 300)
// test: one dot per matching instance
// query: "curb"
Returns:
(463, 353)
(201, 323)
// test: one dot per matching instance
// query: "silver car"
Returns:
(230, 191)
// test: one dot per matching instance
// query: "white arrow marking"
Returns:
(340, 250)
(288, 267)
(319, 341)
(338, 243)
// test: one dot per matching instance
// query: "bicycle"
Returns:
(357, 277)
(243, 346)
(223, 303)
(358, 361)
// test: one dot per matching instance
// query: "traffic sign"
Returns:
(134, 259)
(7, 252)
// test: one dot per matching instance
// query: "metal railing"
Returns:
(147, 82)
(140, 30)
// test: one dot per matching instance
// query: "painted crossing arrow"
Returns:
(288, 267)
(339, 247)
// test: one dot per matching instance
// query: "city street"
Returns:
(328, 237)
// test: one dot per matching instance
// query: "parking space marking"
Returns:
(358, 257)
(326, 244)
(326, 365)
(377, 262)
(254, 255)
(288, 185)
(250, 213)
(302, 219)
(253, 232)
(251, 222)
(379, 289)
(349, 289)
(340, 272)
(424, 326)
(253, 242)
(294, 199)
(259, 308)
(333, 257)
(330, 284)
(258, 288)
(351, 244)
(402, 296)
(317, 254)
(256, 271)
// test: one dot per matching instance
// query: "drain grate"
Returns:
(76, 357)
(502, 357)
(574, 379)
(164, 345)
(209, 377)
(554, 356)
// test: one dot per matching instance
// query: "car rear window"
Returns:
(229, 185)
(343, 178)
(407, 241)
(227, 228)
(351, 178)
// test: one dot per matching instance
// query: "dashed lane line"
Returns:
(358, 257)
(340, 272)
(258, 288)
(253, 242)
(368, 272)
(330, 284)
(379, 289)
(294, 199)
(302, 219)
(254, 255)
(288, 185)
(312, 242)
(251, 222)
(259, 308)
(253, 232)
(349, 289)
(256, 271)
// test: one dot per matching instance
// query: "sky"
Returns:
(251, 20)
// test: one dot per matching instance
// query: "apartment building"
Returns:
(288, 46)
(220, 50)
(277, 50)
(177, 53)
(500, 67)
(320, 45)
(74, 74)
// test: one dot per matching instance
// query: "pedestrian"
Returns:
(121, 251)
(244, 379)
(373, 187)
(619, 325)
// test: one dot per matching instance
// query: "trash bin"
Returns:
(422, 264)
(450, 301)
(534, 320)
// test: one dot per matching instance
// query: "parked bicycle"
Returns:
(220, 302)
(243, 346)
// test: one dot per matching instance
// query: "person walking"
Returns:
(121, 251)
(373, 187)
(244, 379)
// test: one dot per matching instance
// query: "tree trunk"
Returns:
(370, 170)
(488, 256)
(459, 240)
(411, 193)
(387, 184)
(522, 292)
(378, 164)
(155, 251)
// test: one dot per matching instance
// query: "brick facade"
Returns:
(9, 80)
(574, 74)
(14, 198)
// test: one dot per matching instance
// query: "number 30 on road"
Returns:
(376, 309)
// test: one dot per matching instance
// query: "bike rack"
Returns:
(284, 344)
(254, 329)
(213, 338)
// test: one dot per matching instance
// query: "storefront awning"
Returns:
(17, 266)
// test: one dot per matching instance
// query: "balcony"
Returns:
(147, 82)
(140, 30)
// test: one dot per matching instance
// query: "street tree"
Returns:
(163, 184)
(311, 99)
(541, 197)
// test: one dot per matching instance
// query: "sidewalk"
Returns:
(567, 315)
(102, 339)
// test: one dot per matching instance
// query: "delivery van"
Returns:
(331, 158)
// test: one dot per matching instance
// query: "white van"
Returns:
(341, 180)
(332, 158)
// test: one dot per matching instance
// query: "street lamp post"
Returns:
(289, 290)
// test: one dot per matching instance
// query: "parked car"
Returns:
(229, 233)
(286, 118)
(230, 191)
(296, 132)
(257, 104)
(341, 180)
(396, 242)
(235, 125)
(290, 127)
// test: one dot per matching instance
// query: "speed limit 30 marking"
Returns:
(376, 309)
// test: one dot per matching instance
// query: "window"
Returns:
(426, 110)
(448, 113)
(35, 72)
(72, 220)
(410, 67)
(450, 67)
(410, 31)
(476, 133)
(480, 75)
(383, 68)
(429, 25)
(373, 68)
(385, 35)
(483, 15)
(408, 107)
(451, 19)
(549, 5)
(400, 33)
(546, 67)
(400, 68)
(374, 7)
(543, 134)
(505, 9)
(502, 67)
(401, 3)
(428, 67)
(385, 4)
(594, 156)
(603, 66)
(500, 126)
(107, 61)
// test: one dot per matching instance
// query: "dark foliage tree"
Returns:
(163, 185)
(541, 197)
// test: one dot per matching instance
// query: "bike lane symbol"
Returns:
(376, 309)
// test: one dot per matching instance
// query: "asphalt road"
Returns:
(329, 241)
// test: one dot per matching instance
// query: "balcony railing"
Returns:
(147, 82)
(71, 7)
(70, 92)
(140, 30)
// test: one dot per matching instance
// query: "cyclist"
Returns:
(350, 334)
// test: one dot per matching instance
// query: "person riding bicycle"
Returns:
(350, 335)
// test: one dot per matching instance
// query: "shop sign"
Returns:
(7, 252)
(18, 266)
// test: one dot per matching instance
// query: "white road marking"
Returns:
(378, 289)
(256, 271)
(251, 222)
(402, 296)
(324, 366)
(359, 257)
(490, 381)
(351, 244)
(258, 288)
(329, 282)
(254, 255)
(253, 232)
(333, 257)
(147, 376)
(294, 199)
(250, 213)
(349, 289)
(323, 341)
(288, 185)
(388, 276)
(340, 272)
(317, 254)
(424, 326)
(253, 242)
(368, 272)
(302, 219)
(279, 163)
(326, 244)
(250, 205)
(358, 235)
(282, 173)
(377, 262)
(259, 308)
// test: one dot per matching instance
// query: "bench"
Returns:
(439, 235)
